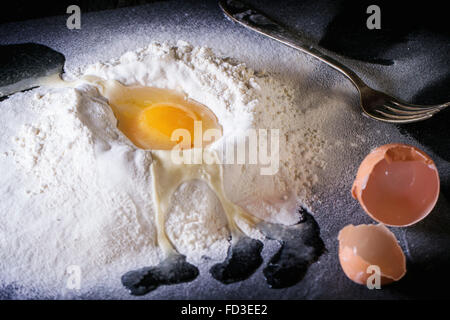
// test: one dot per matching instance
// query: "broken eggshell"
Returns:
(370, 245)
(397, 184)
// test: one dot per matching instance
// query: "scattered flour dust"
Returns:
(77, 192)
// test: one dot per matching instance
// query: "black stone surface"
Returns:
(243, 259)
(300, 246)
(408, 58)
(21, 64)
(172, 270)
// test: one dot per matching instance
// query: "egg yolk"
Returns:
(149, 116)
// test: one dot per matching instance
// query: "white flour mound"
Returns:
(78, 193)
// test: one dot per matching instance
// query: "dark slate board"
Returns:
(338, 26)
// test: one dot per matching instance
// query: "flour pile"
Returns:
(77, 192)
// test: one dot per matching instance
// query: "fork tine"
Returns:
(415, 107)
(399, 121)
(399, 110)
(398, 118)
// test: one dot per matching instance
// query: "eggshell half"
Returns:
(397, 184)
(365, 245)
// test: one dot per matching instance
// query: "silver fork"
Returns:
(375, 104)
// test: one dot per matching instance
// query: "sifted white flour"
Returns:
(81, 192)
(241, 99)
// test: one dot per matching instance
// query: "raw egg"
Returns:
(397, 184)
(370, 245)
(149, 116)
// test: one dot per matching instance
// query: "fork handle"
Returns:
(257, 21)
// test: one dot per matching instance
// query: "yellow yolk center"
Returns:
(149, 117)
(162, 120)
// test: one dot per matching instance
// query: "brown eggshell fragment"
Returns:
(365, 245)
(397, 184)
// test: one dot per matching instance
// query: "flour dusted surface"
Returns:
(81, 190)
(241, 99)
